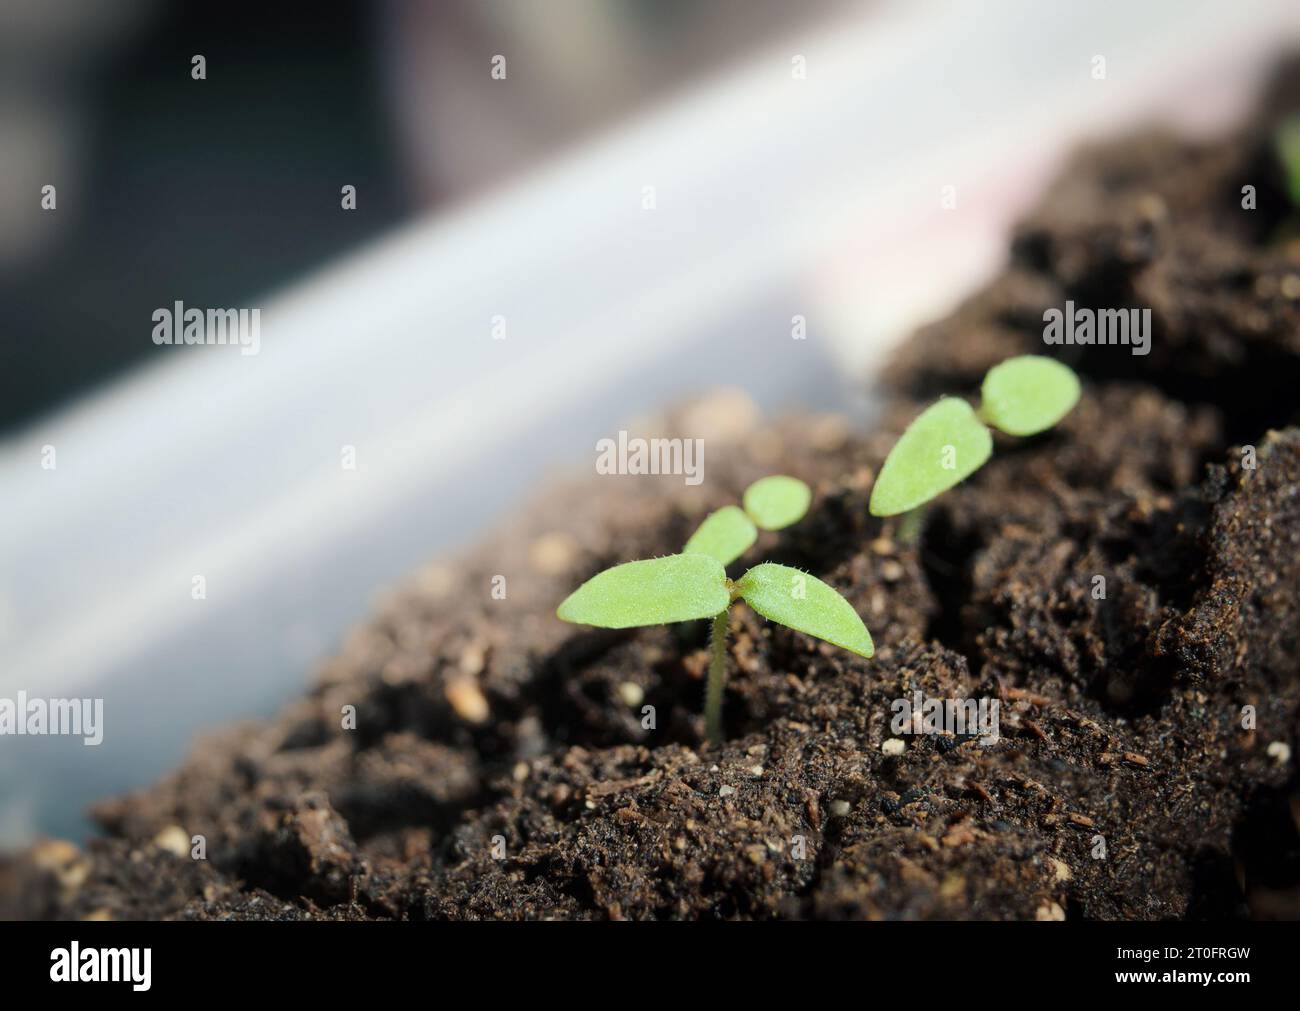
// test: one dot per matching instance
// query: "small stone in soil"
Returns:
(631, 693)
(467, 699)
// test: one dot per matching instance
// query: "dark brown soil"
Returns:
(1125, 784)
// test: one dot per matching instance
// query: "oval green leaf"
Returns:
(657, 591)
(1029, 394)
(943, 446)
(777, 501)
(806, 604)
(725, 534)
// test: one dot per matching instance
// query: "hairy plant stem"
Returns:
(909, 528)
(717, 677)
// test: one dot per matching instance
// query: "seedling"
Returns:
(1286, 139)
(949, 441)
(694, 584)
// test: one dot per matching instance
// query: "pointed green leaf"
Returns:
(943, 446)
(656, 591)
(806, 604)
(725, 534)
(777, 501)
(1029, 394)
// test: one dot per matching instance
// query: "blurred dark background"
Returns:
(219, 191)
(209, 191)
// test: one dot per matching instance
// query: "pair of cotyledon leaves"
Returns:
(694, 584)
(944, 445)
(684, 587)
(949, 441)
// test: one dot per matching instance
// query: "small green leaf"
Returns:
(777, 501)
(657, 591)
(1029, 394)
(943, 446)
(725, 534)
(806, 604)
(1287, 142)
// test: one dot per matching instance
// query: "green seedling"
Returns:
(1286, 140)
(949, 441)
(694, 585)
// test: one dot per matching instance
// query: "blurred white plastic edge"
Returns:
(816, 196)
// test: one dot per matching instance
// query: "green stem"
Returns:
(909, 527)
(717, 678)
